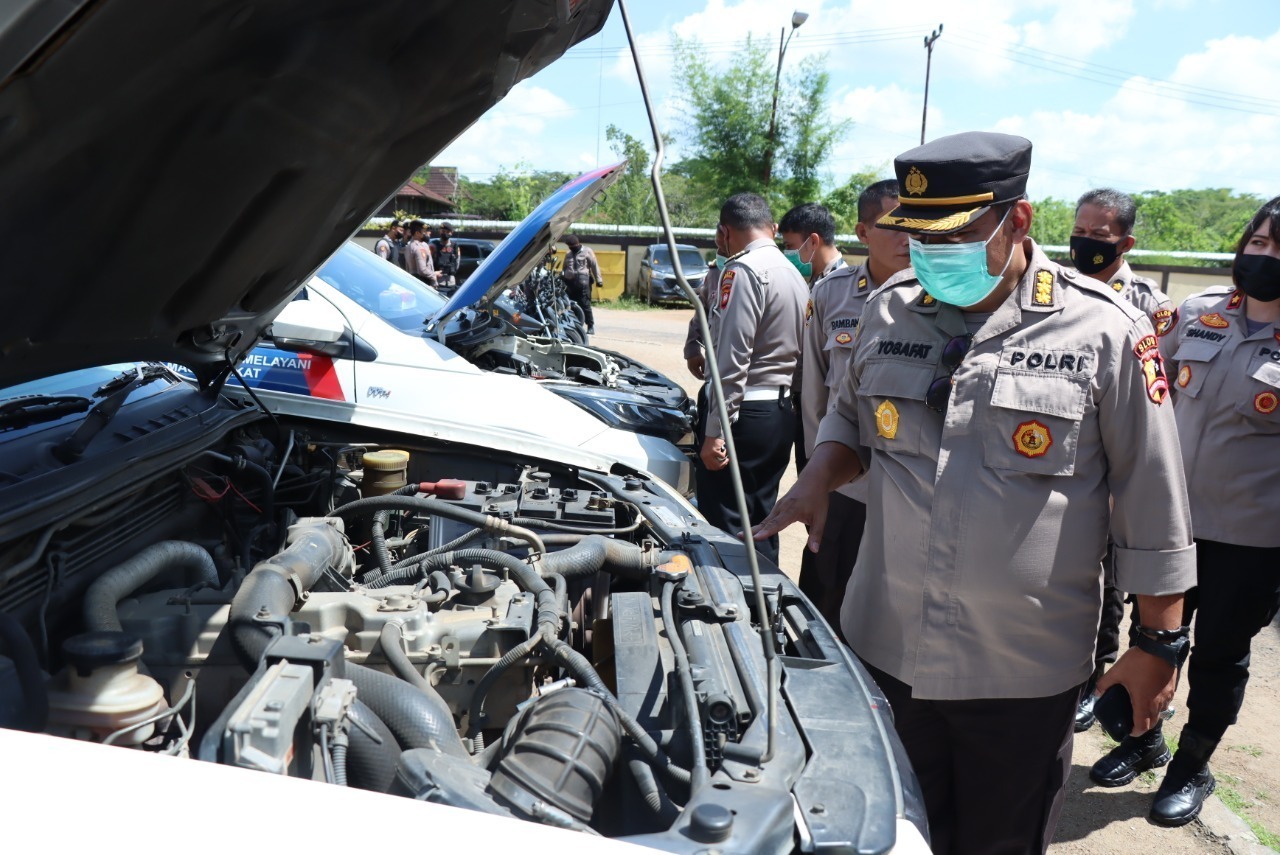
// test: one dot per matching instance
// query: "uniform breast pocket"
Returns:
(892, 413)
(1035, 422)
(1261, 402)
(1194, 359)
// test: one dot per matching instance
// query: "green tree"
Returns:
(843, 200)
(1053, 220)
(511, 195)
(1208, 220)
(630, 200)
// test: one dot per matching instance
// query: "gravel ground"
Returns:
(1095, 821)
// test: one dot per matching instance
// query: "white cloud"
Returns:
(886, 122)
(518, 130)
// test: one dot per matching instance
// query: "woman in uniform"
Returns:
(1223, 362)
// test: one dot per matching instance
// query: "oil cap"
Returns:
(711, 823)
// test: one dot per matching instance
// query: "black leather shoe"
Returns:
(1084, 713)
(1187, 783)
(1135, 754)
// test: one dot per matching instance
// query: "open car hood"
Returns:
(521, 250)
(173, 172)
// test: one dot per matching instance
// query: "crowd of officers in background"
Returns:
(994, 448)
(431, 258)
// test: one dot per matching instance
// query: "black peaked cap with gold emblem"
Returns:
(946, 184)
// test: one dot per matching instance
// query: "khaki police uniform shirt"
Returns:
(831, 319)
(419, 259)
(1145, 295)
(693, 338)
(979, 573)
(757, 319)
(1226, 387)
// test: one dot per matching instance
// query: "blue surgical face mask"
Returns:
(793, 255)
(957, 273)
(721, 261)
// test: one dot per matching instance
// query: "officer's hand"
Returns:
(1150, 682)
(805, 502)
(697, 366)
(713, 454)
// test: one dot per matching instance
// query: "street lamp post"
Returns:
(784, 39)
(928, 63)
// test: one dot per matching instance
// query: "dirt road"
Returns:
(1095, 821)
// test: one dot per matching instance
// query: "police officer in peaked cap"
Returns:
(997, 401)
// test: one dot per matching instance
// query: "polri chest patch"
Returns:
(1048, 362)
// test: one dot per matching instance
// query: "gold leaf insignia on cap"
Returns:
(916, 182)
(915, 224)
(1043, 295)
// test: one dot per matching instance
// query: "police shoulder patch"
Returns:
(1043, 295)
(1164, 320)
(1147, 350)
(1215, 320)
(1032, 439)
(726, 287)
(808, 311)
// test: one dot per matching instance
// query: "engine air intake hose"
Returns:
(371, 765)
(100, 601)
(597, 552)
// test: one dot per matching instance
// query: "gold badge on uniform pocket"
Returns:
(1184, 376)
(1266, 402)
(887, 420)
(1032, 439)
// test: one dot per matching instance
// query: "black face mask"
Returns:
(1258, 276)
(1089, 255)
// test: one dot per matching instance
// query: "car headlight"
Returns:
(633, 415)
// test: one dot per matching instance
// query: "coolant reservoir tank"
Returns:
(385, 471)
(101, 691)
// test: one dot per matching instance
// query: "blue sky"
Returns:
(1133, 94)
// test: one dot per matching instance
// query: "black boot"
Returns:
(1135, 754)
(1187, 783)
(1084, 710)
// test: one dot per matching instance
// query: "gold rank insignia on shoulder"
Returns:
(1043, 295)
(1236, 299)
(1032, 439)
(1266, 402)
(927, 299)
(887, 420)
(1215, 320)
(1116, 286)
(916, 182)
(862, 283)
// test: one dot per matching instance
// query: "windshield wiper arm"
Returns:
(32, 409)
(116, 390)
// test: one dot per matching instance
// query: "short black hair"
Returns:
(810, 218)
(446, 226)
(1113, 200)
(416, 226)
(572, 241)
(746, 211)
(871, 199)
(1269, 211)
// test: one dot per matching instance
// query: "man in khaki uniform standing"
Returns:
(757, 317)
(831, 320)
(1100, 237)
(998, 402)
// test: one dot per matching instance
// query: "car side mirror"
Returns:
(644, 262)
(310, 326)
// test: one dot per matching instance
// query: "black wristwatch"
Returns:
(1171, 645)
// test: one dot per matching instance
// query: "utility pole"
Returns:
(797, 18)
(928, 63)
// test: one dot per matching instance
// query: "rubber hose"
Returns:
(378, 530)
(370, 765)
(22, 651)
(475, 714)
(457, 542)
(434, 507)
(596, 553)
(548, 525)
(390, 638)
(655, 797)
(340, 764)
(106, 592)
(580, 667)
(698, 767)
(417, 720)
(261, 475)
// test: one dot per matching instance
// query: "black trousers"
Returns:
(994, 772)
(762, 437)
(579, 291)
(824, 576)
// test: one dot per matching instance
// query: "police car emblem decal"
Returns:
(1236, 299)
(887, 420)
(726, 287)
(1148, 353)
(916, 182)
(1184, 376)
(1215, 320)
(1164, 321)
(1043, 295)
(1266, 402)
(1032, 439)
(843, 338)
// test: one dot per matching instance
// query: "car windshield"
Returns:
(381, 287)
(690, 259)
